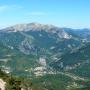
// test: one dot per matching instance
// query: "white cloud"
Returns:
(9, 7)
(37, 13)
(4, 8)
(16, 6)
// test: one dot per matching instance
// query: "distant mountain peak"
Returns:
(30, 26)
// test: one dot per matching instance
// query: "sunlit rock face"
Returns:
(42, 61)
(37, 48)
(2, 85)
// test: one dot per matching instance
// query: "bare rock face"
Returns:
(2, 84)
(42, 61)
(29, 26)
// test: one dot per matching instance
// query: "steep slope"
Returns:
(15, 62)
(33, 37)
(2, 84)
(52, 57)
(36, 46)
(77, 61)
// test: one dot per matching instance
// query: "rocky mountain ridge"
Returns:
(45, 50)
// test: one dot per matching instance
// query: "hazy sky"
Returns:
(63, 13)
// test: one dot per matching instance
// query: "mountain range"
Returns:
(42, 51)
